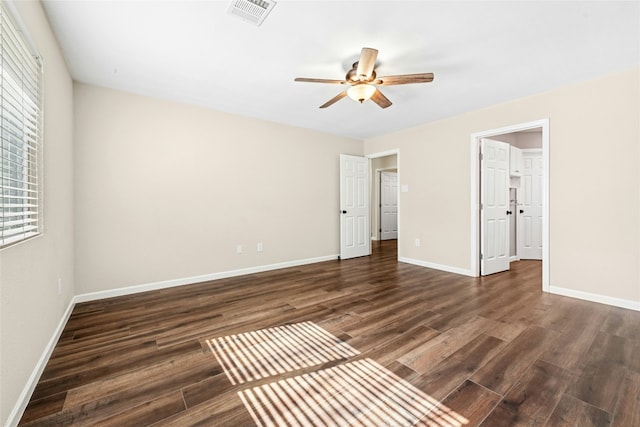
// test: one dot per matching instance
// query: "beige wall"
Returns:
(166, 191)
(31, 307)
(595, 184)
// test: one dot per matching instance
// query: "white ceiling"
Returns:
(481, 52)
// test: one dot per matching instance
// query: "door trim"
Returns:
(475, 193)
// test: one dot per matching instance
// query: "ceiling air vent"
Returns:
(254, 11)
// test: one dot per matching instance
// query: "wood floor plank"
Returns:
(532, 400)
(494, 349)
(627, 412)
(623, 323)
(422, 358)
(195, 394)
(375, 333)
(504, 370)
(149, 381)
(391, 350)
(467, 406)
(148, 412)
(572, 412)
(45, 407)
(444, 377)
(603, 370)
(577, 337)
(225, 410)
(88, 374)
(71, 365)
(505, 331)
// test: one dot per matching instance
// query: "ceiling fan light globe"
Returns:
(361, 92)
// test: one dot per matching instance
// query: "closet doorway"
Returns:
(528, 210)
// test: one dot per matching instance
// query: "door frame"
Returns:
(396, 152)
(475, 193)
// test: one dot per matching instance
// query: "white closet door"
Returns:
(529, 212)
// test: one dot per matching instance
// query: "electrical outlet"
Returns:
(59, 286)
(259, 247)
(417, 242)
(239, 249)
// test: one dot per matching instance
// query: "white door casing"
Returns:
(355, 240)
(494, 203)
(530, 207)
(388, 205)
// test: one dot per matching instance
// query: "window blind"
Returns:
(19, 135)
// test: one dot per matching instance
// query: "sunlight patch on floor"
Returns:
(259, 354)
(360, 393)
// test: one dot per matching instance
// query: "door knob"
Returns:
(509, 212)
(521, 211)
(344, 212)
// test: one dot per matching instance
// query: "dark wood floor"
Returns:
(495, 351)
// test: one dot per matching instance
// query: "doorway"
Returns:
(388, 205)
(383, 163)
(476, 245)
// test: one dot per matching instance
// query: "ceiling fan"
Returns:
(363, 80)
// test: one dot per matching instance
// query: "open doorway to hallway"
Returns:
(385, 212)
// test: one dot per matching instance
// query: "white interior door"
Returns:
(529, 211)
(388, 205)
(494, 205)
(355, 240)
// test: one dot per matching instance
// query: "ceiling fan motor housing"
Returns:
(352, 75)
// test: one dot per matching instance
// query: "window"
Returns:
(20, 210)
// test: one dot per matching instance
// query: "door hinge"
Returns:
(481, 257)
(481, 206)
(381, 230)
(481, 157)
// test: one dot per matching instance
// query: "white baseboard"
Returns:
(23, 399)
(602, 299)
(447, 268)
(92, 296)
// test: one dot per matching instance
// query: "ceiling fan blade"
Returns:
(335, 99)
(380, 99)
(304, 79)
(367, 62)
(405, 79)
